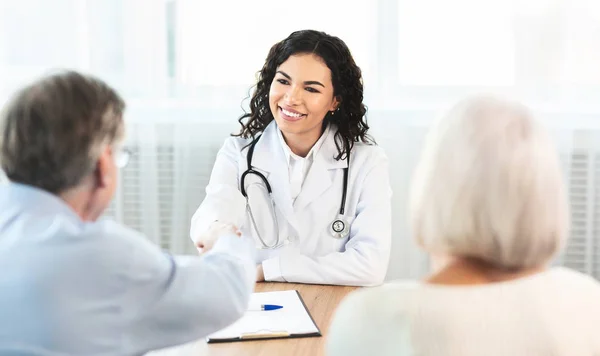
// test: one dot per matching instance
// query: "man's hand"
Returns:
(260, 275)
(207, 240)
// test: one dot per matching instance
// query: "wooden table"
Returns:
(320, 300)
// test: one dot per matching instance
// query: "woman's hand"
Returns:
(207, 240)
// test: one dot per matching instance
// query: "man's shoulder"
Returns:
(108, 231)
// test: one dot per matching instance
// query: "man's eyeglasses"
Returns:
(122, 157)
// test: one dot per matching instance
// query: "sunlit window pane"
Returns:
(226, 42)
(459, 42)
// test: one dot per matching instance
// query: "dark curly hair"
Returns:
(347, 83)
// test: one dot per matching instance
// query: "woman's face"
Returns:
(301, 94)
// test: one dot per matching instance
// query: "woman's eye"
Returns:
(283, 81)
(312, 90)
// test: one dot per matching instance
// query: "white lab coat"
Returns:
(313, 254)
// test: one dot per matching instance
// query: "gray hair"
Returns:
(489, 186)
(52, 131)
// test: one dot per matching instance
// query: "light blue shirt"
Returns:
(69, 287)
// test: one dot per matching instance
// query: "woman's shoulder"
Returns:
(373, 316)
(234, 147)
(368, 149)
(393, 289)
(576, 282)
(382, 302)
(368, 156)
(236, 143)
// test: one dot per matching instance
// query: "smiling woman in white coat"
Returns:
(302, 177)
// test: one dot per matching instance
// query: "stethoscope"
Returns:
(339, 228)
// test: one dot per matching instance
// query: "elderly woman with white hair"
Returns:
(487, 196)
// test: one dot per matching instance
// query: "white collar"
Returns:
(311, 154)
(270, 147)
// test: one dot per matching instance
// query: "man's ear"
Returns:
(103, 167)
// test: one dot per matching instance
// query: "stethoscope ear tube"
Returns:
(277, 243)
(339, 228)
(260, 175)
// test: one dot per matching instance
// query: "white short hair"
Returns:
(489, 186)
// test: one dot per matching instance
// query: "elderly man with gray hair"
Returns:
(488, 196)
(74, 284)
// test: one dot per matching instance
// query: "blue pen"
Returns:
(267, 307)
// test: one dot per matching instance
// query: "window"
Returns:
(226, 42)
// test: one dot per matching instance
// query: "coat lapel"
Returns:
(318, 179)
(270, 158)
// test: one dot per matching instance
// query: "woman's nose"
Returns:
(293, 95)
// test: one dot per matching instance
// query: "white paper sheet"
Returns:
(293, 318)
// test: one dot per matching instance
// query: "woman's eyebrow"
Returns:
(309, 82)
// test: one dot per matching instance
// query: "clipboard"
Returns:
(292, 321)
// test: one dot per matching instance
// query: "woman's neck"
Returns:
(299, 145)
(302, 143)
(469, 271)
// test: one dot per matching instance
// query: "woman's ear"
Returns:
(337, 100)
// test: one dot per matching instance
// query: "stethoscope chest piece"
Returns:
(340, 228)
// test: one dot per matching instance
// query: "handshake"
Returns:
(207, 240)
